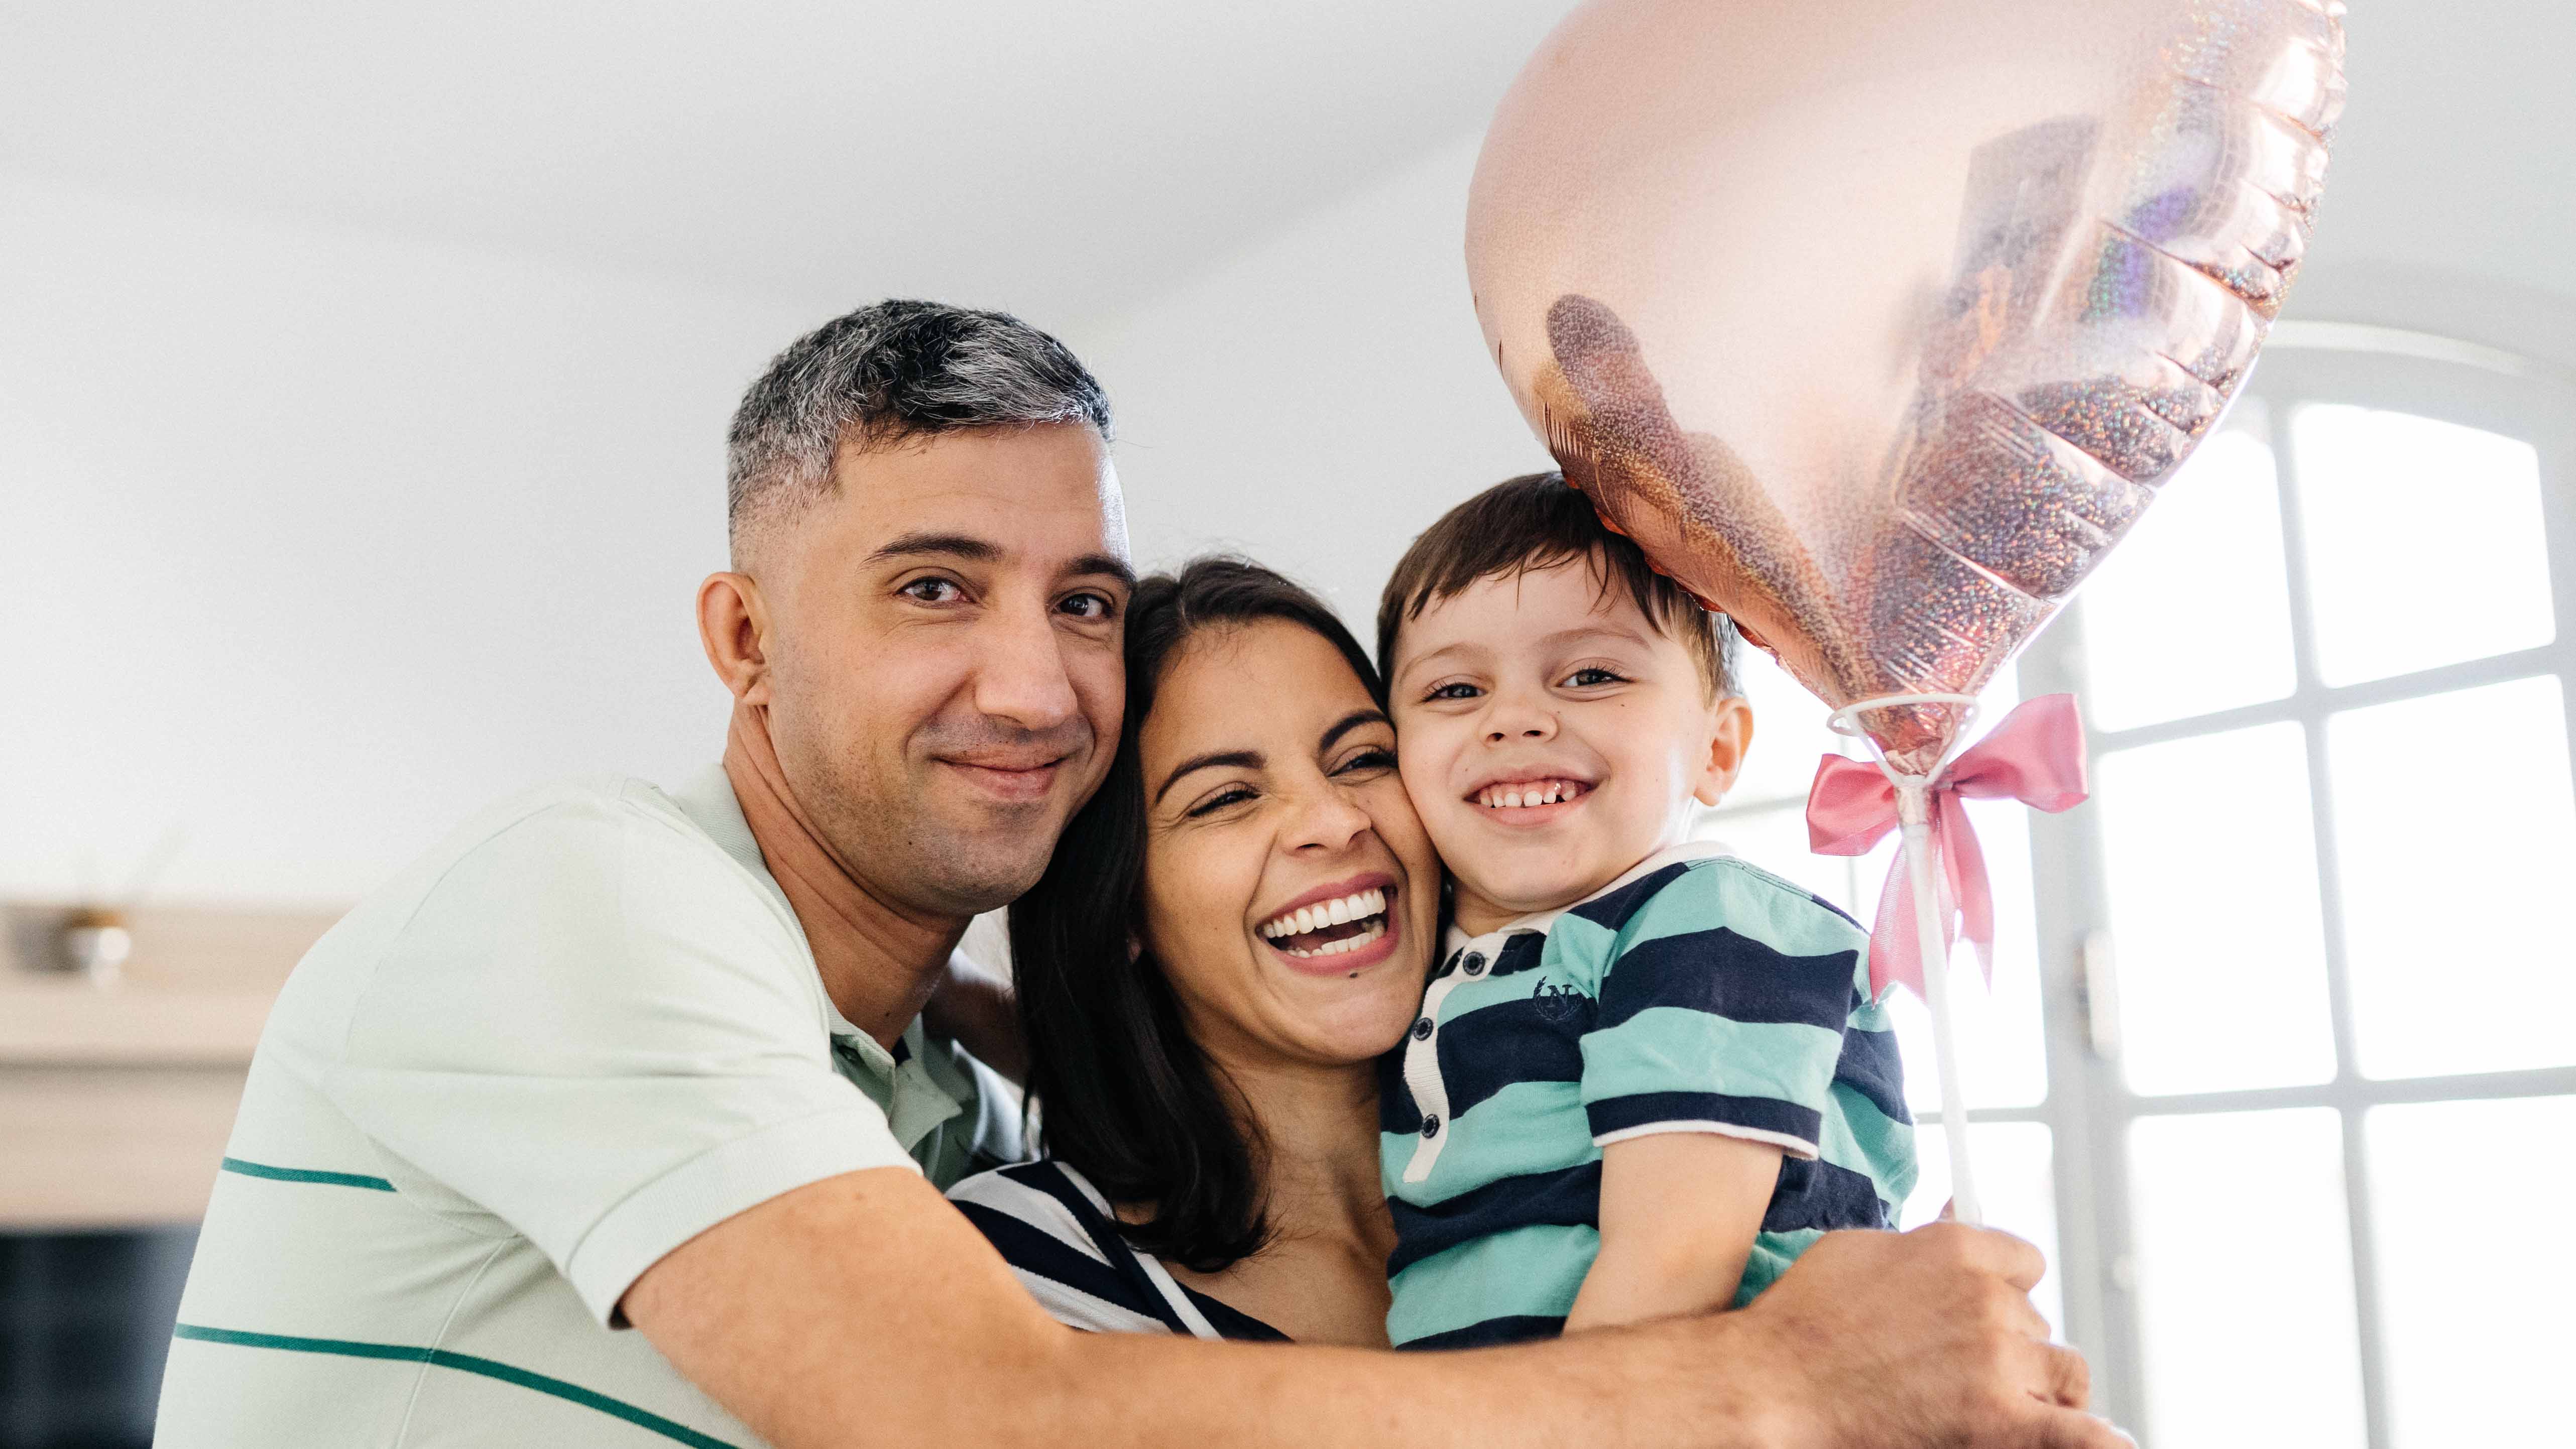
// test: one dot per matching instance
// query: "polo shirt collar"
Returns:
(902, 1082)
(1544, 921)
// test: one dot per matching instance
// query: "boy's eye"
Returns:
(1230, 795)
(1458, 690)
(932, 591)
(1591, 675)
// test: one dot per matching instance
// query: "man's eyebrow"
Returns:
(1109, 565)
(1350, 722)
(1245, 759)
(946, 545)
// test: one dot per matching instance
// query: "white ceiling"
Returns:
(1026, 152)
(1069, 160)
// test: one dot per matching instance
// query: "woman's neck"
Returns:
(1316, 1128)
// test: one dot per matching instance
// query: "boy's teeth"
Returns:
(1515, 797)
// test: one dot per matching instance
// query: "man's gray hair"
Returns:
(884, 374)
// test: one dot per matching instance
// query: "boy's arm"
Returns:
(1678, 1214)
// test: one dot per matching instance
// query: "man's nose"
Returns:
(1020, 675)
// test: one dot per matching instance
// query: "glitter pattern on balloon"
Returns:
(1877, 335)
(1878, 326)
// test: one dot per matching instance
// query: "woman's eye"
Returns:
(1233, 795)
(1376, 757)
(1459, 690)
(932, 591)
(1591, 675)
(1089, 606)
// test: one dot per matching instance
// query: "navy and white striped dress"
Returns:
(1055, 1230)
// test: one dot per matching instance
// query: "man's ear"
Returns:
(1730, 735)
(733, 624)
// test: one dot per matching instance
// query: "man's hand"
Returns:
(1921, 1338)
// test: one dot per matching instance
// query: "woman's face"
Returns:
(1290, 893)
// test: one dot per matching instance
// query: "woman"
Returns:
(1230, 933)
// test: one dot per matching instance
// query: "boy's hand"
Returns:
(980, 1013)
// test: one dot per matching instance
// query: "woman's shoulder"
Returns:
(1053, 1228)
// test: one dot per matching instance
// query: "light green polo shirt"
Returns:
(580, 1032)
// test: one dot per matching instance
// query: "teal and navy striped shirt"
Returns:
(1693, 994)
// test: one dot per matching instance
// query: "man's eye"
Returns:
(1593, 675)
(1454, 691)
(932, 591)
(1089, 606)
(1231, 795)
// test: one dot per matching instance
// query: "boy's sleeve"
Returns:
(1721, 1008)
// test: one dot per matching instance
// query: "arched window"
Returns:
(2280, 1062)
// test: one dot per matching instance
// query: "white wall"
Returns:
(310, 542)
(1317, 401)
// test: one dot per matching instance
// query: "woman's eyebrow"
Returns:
(1348, 723)
(1244, 759)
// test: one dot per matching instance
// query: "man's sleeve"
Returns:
(598, 1030)
(1721, 1009)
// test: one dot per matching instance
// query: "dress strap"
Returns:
(1174, 1297)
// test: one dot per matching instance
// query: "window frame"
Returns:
(2089, 1107)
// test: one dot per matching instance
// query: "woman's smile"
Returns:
(1339, 929)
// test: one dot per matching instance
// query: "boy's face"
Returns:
(1549, 691)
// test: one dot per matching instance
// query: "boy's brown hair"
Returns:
(1537, 521)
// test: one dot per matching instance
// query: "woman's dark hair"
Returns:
(1128, 1099)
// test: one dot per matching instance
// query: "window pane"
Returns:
(2014, 1177)
(1789, 732)
(2451, 512)
(2211, 849)
(2244, 1261)
(2454, 827)
(2191, 614)
(2473, 1293)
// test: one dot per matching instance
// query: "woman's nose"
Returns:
(1328, 820)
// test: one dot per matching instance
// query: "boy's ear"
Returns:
(1730, 735)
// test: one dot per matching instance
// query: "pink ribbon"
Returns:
(2036, 756)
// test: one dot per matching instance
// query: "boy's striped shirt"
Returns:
(1694, 994)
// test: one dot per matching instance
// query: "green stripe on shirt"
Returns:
(303, 1174)
(463, 1363)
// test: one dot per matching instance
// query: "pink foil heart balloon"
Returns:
(1879, 324)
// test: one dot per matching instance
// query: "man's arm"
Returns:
(1678, 1214)
(864, 1309)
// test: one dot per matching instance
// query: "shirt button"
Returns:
(1475, 963)
(1422, 1029)
(1431, 1124)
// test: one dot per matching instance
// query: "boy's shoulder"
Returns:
(1711, 890)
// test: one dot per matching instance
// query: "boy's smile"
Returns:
(1552, 737)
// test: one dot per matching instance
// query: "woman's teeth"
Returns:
(1520, 795)
(1363, 910)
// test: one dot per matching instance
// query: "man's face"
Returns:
(944, 682)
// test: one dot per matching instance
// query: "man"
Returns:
(617, 1057)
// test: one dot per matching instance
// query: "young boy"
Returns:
(1646, 1075)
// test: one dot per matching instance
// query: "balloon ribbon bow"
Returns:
(2035, 755)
